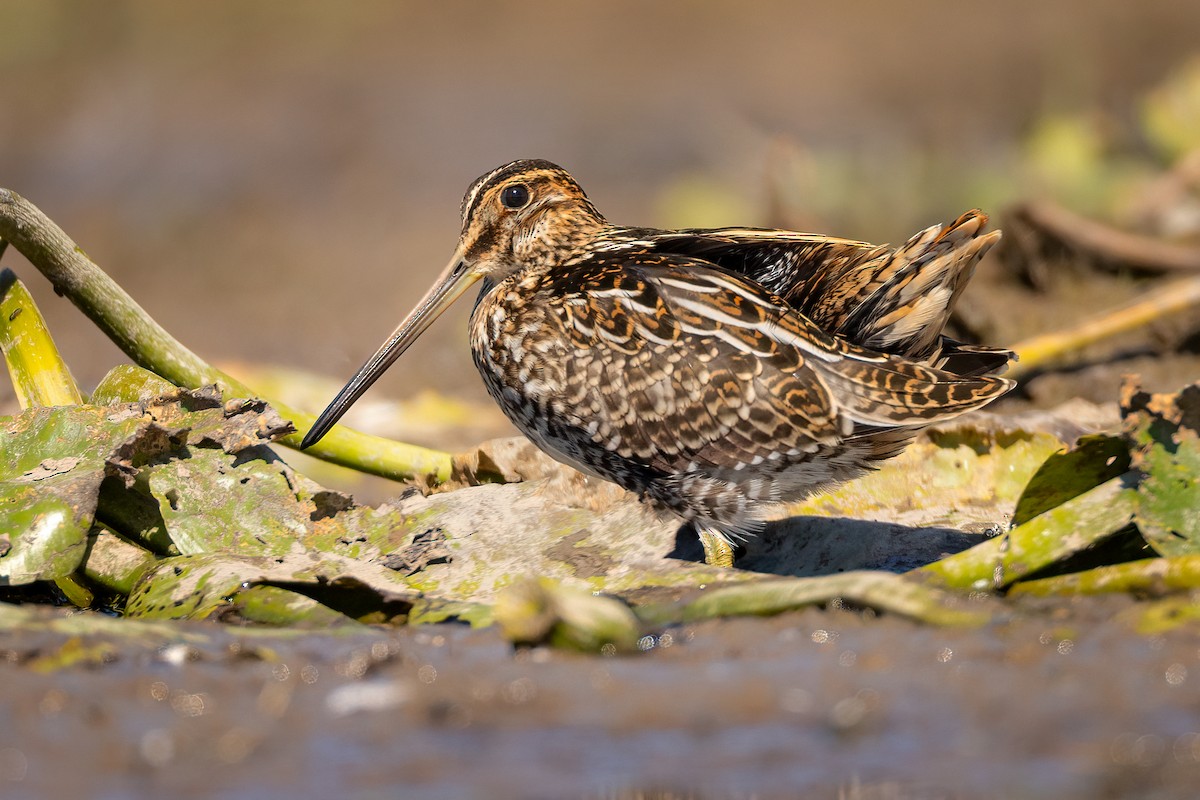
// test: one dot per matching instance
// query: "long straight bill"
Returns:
(450, 285)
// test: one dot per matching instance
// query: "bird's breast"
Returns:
(519, 347)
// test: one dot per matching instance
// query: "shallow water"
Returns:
(1058, 701)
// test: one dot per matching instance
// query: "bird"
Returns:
(716, 373)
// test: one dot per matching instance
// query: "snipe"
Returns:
(712, 372)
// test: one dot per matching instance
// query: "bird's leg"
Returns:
(718, 552)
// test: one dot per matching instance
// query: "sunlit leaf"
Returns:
(1163, 430)
(1092, 461)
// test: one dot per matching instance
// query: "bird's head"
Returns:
(527, 213)
(523, 214)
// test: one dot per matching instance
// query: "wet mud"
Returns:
(1059, 701)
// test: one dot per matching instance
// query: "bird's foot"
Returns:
(718, 551)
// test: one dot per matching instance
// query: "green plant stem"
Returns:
(40, 376)
(535, 610)
(74, 275)
(883, 591)
(1077, 524)
(1050, 348)
(1149, 576)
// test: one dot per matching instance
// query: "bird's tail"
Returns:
(905, 299)
(892, 391)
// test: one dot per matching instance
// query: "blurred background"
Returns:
(277, 182)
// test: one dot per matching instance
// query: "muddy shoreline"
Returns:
(1058, 701)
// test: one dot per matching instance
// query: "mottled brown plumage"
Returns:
(713, 372)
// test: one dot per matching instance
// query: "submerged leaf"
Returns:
(75, 651)
(1161, 616)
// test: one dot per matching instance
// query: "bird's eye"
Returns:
(515, 196)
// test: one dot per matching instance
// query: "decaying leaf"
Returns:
(44, 528)
(54, 461)
(967, 473)
(252, 503)
(202, 586)
(246, 537)
(1164, 432)
(1148, 476)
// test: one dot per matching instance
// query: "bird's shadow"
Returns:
(809, 546)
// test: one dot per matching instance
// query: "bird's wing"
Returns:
(896, 300)
(799, 267)
(687, 365)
